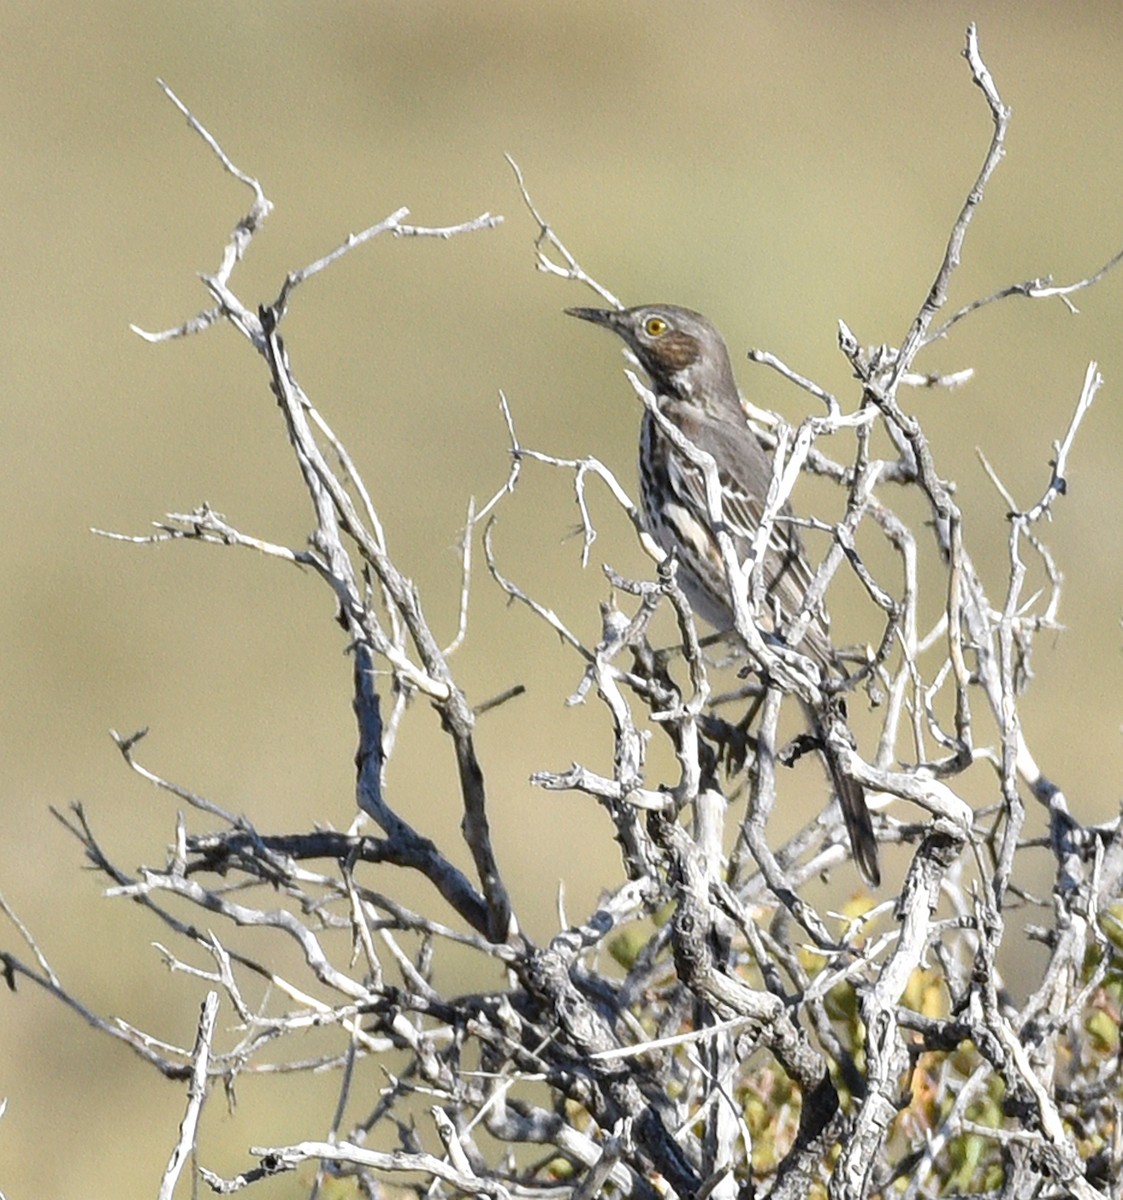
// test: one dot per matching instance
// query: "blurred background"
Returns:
(778, 165)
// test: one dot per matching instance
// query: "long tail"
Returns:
(852, 801)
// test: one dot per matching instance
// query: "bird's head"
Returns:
(680, 350)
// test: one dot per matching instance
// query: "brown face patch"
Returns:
(674, 350)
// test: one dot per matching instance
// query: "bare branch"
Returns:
(570, 268)
(709, 1027)
(197, 1091)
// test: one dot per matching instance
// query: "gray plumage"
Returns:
(692, 378)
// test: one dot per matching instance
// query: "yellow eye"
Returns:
(655, 327)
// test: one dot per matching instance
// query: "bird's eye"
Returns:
(655, 327)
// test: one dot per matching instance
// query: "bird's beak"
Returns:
(607, 317)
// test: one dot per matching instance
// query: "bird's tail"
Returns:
(852, 800)
(856, 814)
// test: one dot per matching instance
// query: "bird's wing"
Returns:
(745, 473)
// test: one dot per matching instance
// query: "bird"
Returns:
(695, 391)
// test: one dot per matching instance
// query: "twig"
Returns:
(196, 1094)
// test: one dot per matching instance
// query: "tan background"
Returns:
(778, 164)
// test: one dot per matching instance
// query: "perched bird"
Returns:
(692, 379)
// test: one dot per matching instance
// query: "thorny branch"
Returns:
(706, 1031)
